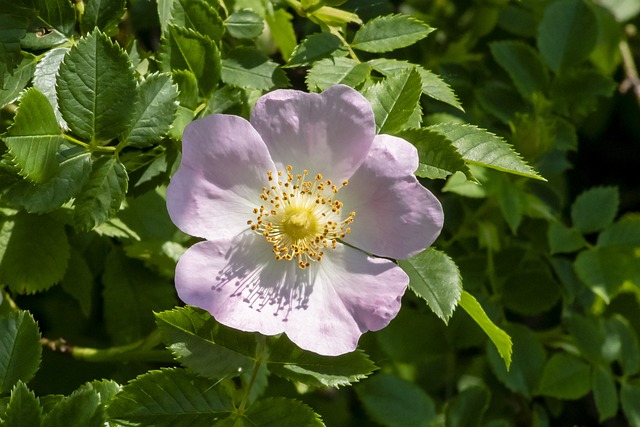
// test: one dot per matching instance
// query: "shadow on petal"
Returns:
(253, 277)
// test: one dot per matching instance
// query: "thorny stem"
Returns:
(260, 357)
(632, 81)
(142, 350)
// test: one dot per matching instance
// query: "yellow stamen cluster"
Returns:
(300, 216)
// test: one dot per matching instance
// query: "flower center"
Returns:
(300, 217)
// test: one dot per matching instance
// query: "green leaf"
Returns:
(394, 100)
(169, 397)
(282, 31)
(199, 16)
(131, 294)
(24, 408)
(332, 71)
(387, 33)
(57, 14)
(44, 78)
(528, 361)
(605, 270)
(395, 402)
(435, 277)
(629, 397)
(275, 412)
(622, 344)
(34, 137)
(531, 289)
(154, 112)
(104, 14)
(34, 252)
(184, 49)
(436, 88)
(576, 93)
(565, 377)
(288, 361)
(595, 209)
(188, 332)
(468, 407)
(14, 21)
(74, 170)
(102, 194)
(477, 146)
(588, 334)
(563, 239)
(604, 392)
(20, 349)
(524, 66)
(438, 157)
(78, 282)
(566, 33)
(625, 232)
(315, 47)
(16, 82)
(500, 339)
(432, 85)
(81, 408)
(247, 67)
(244, 24)
(96, 106)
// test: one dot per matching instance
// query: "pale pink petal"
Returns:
(328, 133)
(241, 284)
(352, 293)
(324, 308)
(396, 217)
(223, 169)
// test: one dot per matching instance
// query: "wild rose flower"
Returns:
(291, 204)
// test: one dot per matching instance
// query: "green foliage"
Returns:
(244, 24)
(101, 194)
(248, 67)
(94, 98)
(393, 402)
(23, 408)
(154, 112)
(565, 377)
(435, 278)
(565, 35)
(103, 14)
(388, 33)
(288, 361)
(480, 147)
(500, 339)
(95, 109)
(150, 400)
(19, 352)
(315, 47)
(189, 335)
(34, 138)
(394, 100)
(34, 252)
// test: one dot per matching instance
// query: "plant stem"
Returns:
(632, 81)
(260, 356)
(142, 350)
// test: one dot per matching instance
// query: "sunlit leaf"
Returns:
(386, 33)
(500, 339)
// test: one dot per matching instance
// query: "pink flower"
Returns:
(291, 204)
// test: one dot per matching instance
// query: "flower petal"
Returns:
(223, 169)
(352, 293)
(324, 308)
(241, 284)
(328, 133)
(396, 217)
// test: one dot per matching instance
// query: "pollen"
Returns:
(300, 216)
